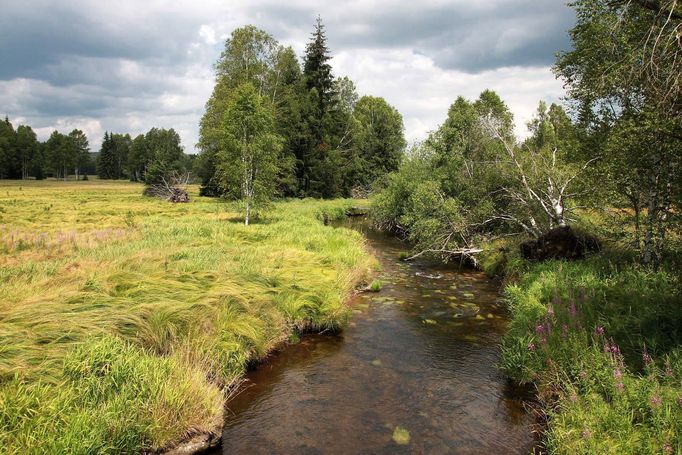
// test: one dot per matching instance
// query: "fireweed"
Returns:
(601, 340)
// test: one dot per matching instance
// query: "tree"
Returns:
(81, 150)
(536, 180)
(248, 160)
(249, 56)
(326, 126)
(317, 70)
(624, 70)
(8, 158)
(60, 154)
(378, 140)
(139, 158)
(105, 159)
(113, 157)
(165, 154)
(27, 149)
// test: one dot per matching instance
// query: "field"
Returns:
(123, 319)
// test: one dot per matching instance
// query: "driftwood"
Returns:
(172, 189)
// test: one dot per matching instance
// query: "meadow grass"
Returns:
(602, 341)
(123, 318)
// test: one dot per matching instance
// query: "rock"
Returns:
(559, 243)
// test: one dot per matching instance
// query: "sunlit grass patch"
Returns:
(122, 342)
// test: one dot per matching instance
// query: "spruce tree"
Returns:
(320, 167)
(105, 159)
(317, 70)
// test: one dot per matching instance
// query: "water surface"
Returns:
(419, 359)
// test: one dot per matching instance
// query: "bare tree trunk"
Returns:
(248, 213)
(638, 229)
(648, 254)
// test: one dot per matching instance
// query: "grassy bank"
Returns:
(602, 341)
(122, 317)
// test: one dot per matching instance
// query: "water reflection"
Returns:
(420, 355)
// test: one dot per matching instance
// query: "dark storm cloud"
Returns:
(471, 36)
(37, 39)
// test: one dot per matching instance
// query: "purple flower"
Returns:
(679, 401)
(620, 386)
(667, 448)
(617, 374)
(599, 330)
(587, 434)
(531, 346)
(656, 401)
(539, 329)
(646, 357)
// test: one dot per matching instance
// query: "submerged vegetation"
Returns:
(123, 317)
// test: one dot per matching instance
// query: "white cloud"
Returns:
(127, 66)
(423, 92)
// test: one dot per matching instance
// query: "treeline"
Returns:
(146, 158)
(23, 156)
(324, 140)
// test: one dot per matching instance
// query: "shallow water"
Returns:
(415, 372)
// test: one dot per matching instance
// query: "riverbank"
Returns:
(414, 372)
(601, 339)
(124, 318)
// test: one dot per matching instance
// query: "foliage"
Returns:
(128, 316)
(623, 73)
(601, 340)
(164, 155)
(247, 163)
(471, 182)
(325, 136)
(113, 156)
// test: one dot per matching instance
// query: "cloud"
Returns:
(127, 66)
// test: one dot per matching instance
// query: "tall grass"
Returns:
(602, 341)
(122, 317)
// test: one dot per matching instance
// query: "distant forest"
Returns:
(327, 140)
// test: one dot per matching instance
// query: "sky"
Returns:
(126, 66)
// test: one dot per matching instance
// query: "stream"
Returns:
(414, 372)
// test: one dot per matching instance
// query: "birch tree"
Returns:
(248, 159)
(537, 178)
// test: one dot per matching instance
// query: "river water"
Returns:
(415, 372)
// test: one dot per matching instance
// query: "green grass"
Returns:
(123, 318)
(375, 286)
(602, 341)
